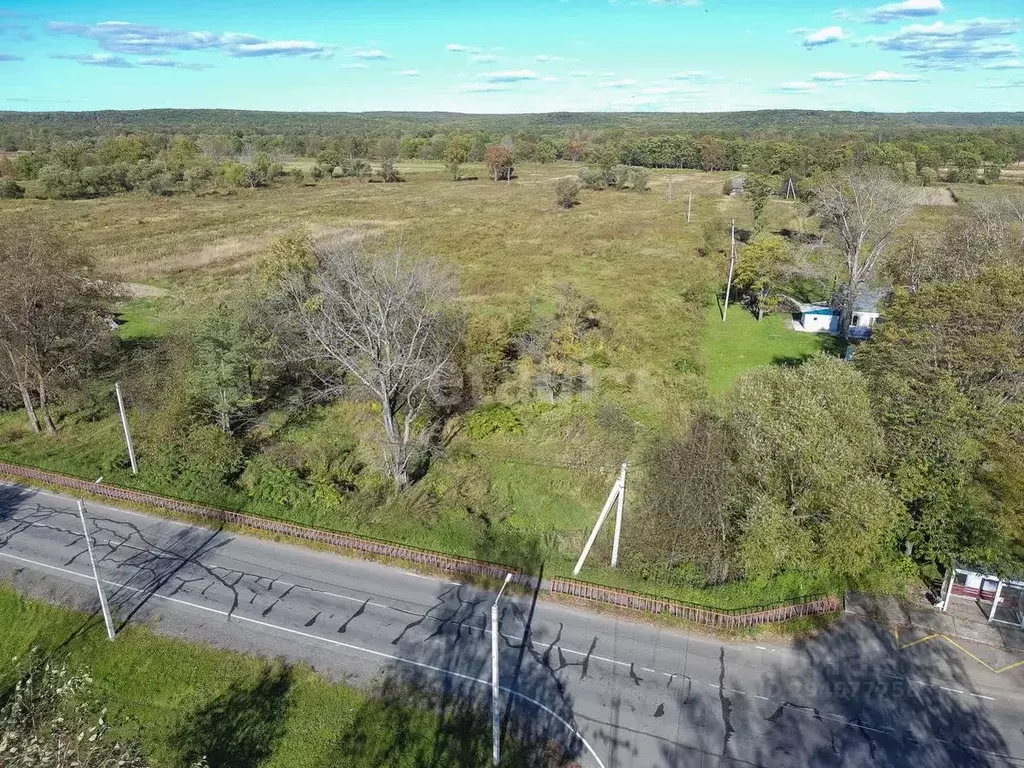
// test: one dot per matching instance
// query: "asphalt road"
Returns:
(617, 692)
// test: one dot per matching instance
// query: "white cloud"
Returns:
(355, 65)
(796, 86)
(483, 88)
(626, 83)
(169, 63)
(511, 76)
(689, 74)
(830, 77)
(904, 10)
(410, 72)
(881, 76)
(1005, 64)
(96, 59)
(685, 3)
(825, 36)
(148, 40)
(953, 45)
(548, 57)
(658, 90)
(460, 48)
(483, 58)
(581, 73)
(374, 54)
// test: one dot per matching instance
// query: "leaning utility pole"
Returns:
(127, 432)
(95, 574)
(689, 207)
(732, 266)
(618, 494)
(495, 680)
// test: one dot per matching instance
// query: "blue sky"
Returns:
(513, 56)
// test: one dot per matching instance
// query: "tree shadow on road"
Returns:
(240, 727)
(431, 708)
(849, 696)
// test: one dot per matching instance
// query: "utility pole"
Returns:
(495, 688)
(689, 207)
(127, 432)
(618, 515)
(95, 574)
(617, 493)
(732, 266)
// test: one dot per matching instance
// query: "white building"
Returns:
(823, 318)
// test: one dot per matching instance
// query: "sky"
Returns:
(513, 55)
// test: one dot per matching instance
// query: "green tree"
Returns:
(762, 265)
(807, 490)
(456, 153)
(236, 368)
(757, 189)
(946, 372)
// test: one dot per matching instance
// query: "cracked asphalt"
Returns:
(616, 692)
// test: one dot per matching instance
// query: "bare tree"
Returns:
(861, 210)
(51, 321)
(387, 320)
(1014, 207)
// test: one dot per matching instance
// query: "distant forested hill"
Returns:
(763, 122)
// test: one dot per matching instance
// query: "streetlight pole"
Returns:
(107, 620)
(127, 432)
(495, 691)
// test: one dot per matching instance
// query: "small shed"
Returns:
(736, 186)
(1001, 597)
(817, 318)
(866, 311)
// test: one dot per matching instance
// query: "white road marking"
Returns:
(951, 690)
(762, 698)
(380, 654)
(981, 696)
(760, 648)
(431, 578)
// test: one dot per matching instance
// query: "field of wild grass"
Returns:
(514, 497)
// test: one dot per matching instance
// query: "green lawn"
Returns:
(242, 712)
(741, 343)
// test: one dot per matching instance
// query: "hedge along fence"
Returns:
(697, 614)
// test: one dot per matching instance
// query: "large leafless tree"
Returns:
(861, 211)
(51, 321)
(388, 320)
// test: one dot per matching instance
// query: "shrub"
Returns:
(567, 192)
(496, 418)
(316, 173)
(11, 190)
(618, 176)
(640, 179)
(592, 178)
(388, 172)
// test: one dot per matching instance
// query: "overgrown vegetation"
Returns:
(454, 363)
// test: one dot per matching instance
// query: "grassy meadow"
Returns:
(517, 496)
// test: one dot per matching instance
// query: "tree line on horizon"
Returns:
(97, 164)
